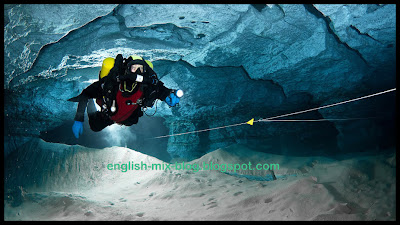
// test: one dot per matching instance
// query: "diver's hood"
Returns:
(137, 61)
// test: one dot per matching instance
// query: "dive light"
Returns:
(179, 93)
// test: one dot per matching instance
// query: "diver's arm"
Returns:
(151, 78)
(163, 91)
(167, 95)
(92, 91)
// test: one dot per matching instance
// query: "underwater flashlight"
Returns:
(179, 93)
(113, 108)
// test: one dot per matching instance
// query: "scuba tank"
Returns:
(109, 83)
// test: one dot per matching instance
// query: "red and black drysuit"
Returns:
(128, 104)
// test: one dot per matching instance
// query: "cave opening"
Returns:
(135, 137)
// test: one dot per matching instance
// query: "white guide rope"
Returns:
(272, 119)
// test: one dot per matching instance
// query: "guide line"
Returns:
(318, 120)
(327, 106)
(273, 119)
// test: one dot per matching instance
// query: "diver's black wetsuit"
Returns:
(100, 120)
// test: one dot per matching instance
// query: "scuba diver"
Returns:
(125, 86)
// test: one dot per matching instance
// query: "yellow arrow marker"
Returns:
(250, 122)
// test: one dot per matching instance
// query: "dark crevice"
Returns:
(259, 7)
(314, 11)
(364, 34)
(271, 81)
(373, 7)
(121, 19)
(283, 11)
(199, 36)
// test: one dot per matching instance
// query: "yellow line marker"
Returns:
(250, 122)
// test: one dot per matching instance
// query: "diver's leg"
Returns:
(98, 121)
(134, 118)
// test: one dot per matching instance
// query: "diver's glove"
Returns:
(173, 98)
(77, 128)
